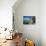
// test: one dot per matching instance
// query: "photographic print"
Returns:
(28, 19)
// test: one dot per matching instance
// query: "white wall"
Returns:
(29, 8)
(37, 31)
(6, 13)
(43, 22)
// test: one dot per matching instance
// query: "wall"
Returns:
(29, 8)
(43, 22)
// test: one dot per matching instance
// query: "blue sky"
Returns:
(27, 17)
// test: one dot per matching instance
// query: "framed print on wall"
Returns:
(29, 20)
